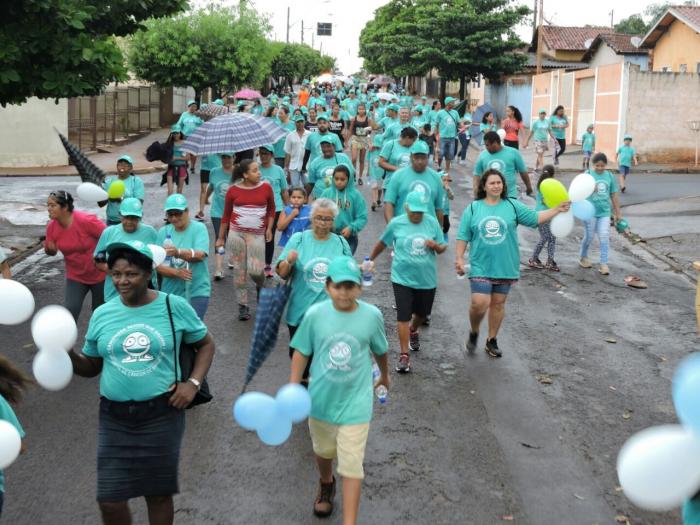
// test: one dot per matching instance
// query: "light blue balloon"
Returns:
(254, 410)
(583, 210)
(277, 431)
(686, 392)
(294, 401)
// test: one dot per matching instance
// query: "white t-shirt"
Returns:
(294, 146)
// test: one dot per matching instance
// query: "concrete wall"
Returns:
(679, 45)
(659, 106)
(27, 134)
(180, 98)
(604, 55)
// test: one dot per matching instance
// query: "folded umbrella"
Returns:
(86, 168)
(248, 94)
(271, 305)
(233, 132)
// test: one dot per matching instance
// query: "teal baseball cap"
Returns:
(327, 139)
(420, 148)
(299, 118)
(176, 201)
(227, 154)
(393, 107)
(450, 99)
(190, 102)
(322, 116)
(424, 97)
(542, 110)
(344, 269)
(218, 102)
(136, 246)
(241, 103)
(267, 147)
(126, 158)
(627, 137)
(131, 207)
(415, 201)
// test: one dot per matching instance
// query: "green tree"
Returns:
(222, 48)
(297, 61)
(632, 25)
(61, 48)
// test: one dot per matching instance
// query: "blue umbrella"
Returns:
(233, 132)
(477, 116)
(271, 305)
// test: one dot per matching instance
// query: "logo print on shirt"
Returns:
(136, 346)
(315, 273)
(415, 245)
(404, 161)
(136, 350)
(335, 356)
(340, 355)
(602, 188)
(493, 230)
(421, 188)
(497, 164)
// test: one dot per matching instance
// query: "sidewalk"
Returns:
(107, 161)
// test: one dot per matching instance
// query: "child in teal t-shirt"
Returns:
(588, 146)
(342, 334)
(352, 210)
(625, 157)
(376, 172)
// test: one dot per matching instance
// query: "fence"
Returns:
(113, 116)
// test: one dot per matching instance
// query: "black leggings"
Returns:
(270, 246)
(562, 148)
(292, 331)
(76, 292)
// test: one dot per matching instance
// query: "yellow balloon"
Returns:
(553, 193)
(116, 189)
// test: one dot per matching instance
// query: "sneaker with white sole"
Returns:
(472, 340)
(492, 348)
(414, 341)
(404, 365)
(585, 263)
(604, 270)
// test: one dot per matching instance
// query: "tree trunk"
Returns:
(443, 88)
(462, 88)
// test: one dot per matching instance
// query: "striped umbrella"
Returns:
(233, 132)
(211, 111)
(86, 168)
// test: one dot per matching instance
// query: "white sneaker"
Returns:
(585, 263)
(604, 270)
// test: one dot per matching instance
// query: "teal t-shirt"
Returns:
(406, 180)
(279, 145)
(508, 161)
(136, 345)
(396, 155)
(276, 177)
(144, 233)
(320, 171)
(351, 106)
(133, 187)
(625, 155)
(177, 152)
(447, 123)
(559, 133)
(492, 234)
(395, 129)
(313, 144)
(310, 270)
(541, 129)
(691, 512)
(341, 344)
(219, 181)
(588, 141)
(605, 186)
(189, 122)
(413, 265)
(194, 237)
(7, 414)
(539, 203)
(209, 162)
(376, 172)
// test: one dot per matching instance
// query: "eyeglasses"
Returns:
(323, 219)
(174, 213)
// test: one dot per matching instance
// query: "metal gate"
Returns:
(584, 106)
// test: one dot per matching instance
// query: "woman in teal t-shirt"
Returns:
(306, 258)
(489, 226)
(133, 344)
(558, 124)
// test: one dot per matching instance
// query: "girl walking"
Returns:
(296, 216)
(249, 210)
(546, 236)
(176, 175)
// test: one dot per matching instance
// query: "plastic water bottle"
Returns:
(168, 243)
(221, 250)
(381, 391)
(367, 277)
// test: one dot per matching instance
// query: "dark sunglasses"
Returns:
(174, 213)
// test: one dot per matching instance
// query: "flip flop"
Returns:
(635, 282)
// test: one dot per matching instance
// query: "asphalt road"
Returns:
(463, 440)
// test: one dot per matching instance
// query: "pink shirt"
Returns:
(77, 244)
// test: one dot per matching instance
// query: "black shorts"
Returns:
(411, 301)
(204, 176)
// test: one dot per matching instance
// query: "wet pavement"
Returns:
(531, 438)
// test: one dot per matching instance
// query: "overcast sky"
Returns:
(350, 16)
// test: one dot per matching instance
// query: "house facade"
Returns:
(674, 41)
(613, 48)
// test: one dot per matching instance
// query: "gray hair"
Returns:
(324, 204)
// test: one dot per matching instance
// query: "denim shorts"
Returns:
(624, 170)
(447, 148)
(489, 286)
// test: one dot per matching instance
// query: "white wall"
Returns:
(604, 55)
(27, 135)
(180, 98)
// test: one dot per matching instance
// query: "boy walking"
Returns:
(626, 155)
(340, 333)
(588, 146)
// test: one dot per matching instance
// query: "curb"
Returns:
(138, 171)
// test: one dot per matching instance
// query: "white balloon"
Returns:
(581, 187)
(53, 370)
(659, 467)
(91, 192)
(158, 254)
(562, 224)
(502, 133)
(10, 443)
(54, 327)
(16, 302)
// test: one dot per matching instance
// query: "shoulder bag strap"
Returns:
(172, 329)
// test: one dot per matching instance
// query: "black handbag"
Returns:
(188, 354)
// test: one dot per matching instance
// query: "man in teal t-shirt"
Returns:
(417, 177)
(133, 187)
(313, 142)
(396, 154)
(504, 159)
(130, 229)
(321, 168)
(447, 122)
(541, 130)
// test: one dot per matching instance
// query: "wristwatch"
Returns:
(195, 382)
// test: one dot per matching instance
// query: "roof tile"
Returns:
(570, 38)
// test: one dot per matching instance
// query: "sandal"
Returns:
(552, 266)
(359, 182)
(635, 282)
(535, 263)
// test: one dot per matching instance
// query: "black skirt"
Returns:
(138, 449)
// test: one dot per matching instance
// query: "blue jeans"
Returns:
(298, 179)
(200, 305)
(597, 226)
(464, 145)
(447, 148)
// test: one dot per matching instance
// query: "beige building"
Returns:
(674, 41)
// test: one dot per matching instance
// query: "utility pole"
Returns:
(288, 9)
(534, 17)
(313, 43)
(302, 31)
(612, 19)
(540, 20)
